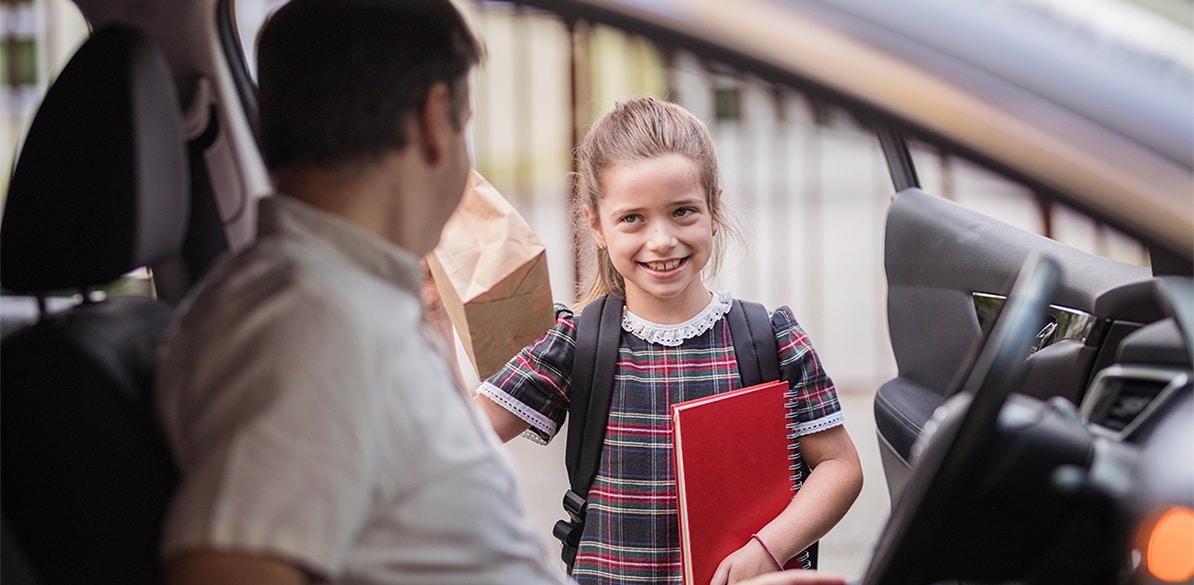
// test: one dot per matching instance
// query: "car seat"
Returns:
(100, 189)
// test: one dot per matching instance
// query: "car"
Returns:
(1036, 428)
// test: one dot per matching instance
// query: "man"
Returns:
(319, 433)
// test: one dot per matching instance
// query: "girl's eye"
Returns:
(632, 218)
(684, 212)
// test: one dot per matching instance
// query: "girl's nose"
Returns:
(661, 238)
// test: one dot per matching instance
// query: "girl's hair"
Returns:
(639, 129)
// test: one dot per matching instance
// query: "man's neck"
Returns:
(363, 195)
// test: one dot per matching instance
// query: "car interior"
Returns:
(942, 270)
(1040, 388)
(78, 428)
(1094, 350)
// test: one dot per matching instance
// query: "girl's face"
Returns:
(654, 219)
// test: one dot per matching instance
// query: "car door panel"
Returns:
(937, 256)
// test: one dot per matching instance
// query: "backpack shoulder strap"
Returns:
(598, 336)
(754, 342)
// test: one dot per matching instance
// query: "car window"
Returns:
(806, 177)
(798, 172)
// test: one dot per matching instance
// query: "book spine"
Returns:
(796, 471)
(795, 461)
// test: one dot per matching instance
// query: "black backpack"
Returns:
(598, 336)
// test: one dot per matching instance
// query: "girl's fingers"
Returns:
(722, 575)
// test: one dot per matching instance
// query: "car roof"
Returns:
(1012, 85)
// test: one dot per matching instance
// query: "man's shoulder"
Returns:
(262, 278)
(276, 263)
(266, 264)
(264, 311)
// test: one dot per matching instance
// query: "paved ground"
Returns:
(845, 550)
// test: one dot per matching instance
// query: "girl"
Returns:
(649, 194)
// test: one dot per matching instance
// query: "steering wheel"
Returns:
(959, 439)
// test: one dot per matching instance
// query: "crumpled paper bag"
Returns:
(491, 272)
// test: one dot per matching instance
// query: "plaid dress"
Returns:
(631, 532)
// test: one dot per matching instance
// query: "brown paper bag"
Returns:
(491, 271)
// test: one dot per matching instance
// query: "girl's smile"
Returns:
(664, 265)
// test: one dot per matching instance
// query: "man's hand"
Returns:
(796, 577)
(433, 305)
(437, 317)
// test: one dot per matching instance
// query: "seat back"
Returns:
(100, 188)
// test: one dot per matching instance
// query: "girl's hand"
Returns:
(437, 317)
(433, 304)
(749, 561)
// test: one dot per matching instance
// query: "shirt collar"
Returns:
(286, 215)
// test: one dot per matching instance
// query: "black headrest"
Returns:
(101, 185)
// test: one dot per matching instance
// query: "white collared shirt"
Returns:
(313, 420)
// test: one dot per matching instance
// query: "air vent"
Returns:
(1122, 398)
(1124, 401)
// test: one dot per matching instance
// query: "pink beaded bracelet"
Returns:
(778, 565)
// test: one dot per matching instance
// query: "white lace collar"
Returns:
(674, 335)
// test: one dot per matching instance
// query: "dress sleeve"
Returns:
(535, 383)
(816, 403)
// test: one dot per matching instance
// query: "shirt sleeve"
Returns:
(815, 397)
(535, 383)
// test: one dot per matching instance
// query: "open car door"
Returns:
(948, 271)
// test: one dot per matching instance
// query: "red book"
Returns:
(731, 453)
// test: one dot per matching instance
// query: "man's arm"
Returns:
(216, 568)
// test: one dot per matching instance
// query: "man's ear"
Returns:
(433, 125)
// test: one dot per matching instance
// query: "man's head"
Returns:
(341, 80)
